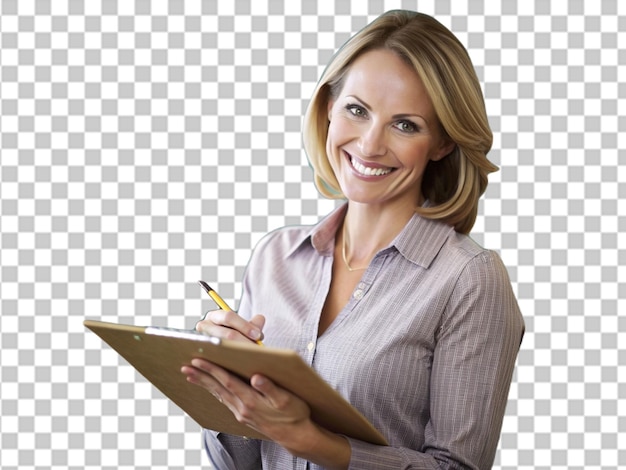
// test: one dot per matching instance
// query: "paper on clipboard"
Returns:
(159, 353)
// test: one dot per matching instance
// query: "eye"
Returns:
(407, 126)
(356, 110)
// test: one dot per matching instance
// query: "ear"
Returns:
(446, 147)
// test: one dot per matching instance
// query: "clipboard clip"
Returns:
(183, 334)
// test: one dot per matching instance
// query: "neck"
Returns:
(366, 231)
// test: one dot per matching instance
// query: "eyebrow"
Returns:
(395, 116)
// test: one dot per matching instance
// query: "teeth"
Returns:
(367, 171)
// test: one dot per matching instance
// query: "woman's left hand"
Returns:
(261, 404)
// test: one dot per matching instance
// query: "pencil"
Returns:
(220, 302)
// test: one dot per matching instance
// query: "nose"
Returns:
(372, 142)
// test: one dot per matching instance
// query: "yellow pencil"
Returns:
(219, 301)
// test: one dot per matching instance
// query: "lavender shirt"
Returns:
(425, 348)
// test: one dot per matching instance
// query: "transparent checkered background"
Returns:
(146, 145)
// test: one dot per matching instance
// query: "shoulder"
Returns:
(472, 269)
(465, 245)
(463, 251)
(269, 256)
(289, 239)
(283, 241)
(481, 290)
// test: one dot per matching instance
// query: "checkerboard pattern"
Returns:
(145, 145)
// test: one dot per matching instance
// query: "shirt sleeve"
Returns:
(476, 350)
(226, 452)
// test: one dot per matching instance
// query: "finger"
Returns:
(209, 328)
(234, 393)
(230, 319)
(203, 319)
(220, 376)
(286, 407)
(273, 394)
(262, 384)
(196, 377)
(259, 322)
(201, 374)
(229, 325)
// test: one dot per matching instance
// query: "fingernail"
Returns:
(255, 334)
(196, 363)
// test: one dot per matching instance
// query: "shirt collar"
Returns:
(322, 235)
(419, 241)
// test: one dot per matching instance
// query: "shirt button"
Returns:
(358, 294)
(310, 346)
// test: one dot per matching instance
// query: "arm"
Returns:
(473, 364)
(275, 412)
(476, 349)
(225, 451)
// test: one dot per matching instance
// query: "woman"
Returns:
(387, 297)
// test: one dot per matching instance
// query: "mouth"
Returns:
(368, 170)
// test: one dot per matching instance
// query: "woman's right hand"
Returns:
(229, 325)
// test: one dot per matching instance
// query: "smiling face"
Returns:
(383, 131)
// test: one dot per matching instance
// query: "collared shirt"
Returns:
(424, 349)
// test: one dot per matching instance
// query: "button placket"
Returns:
(359, 292)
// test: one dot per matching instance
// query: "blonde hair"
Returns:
(453, 184)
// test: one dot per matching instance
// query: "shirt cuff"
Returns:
(367, 456)
(221, 448)
(215, 451)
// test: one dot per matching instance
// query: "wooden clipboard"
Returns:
(159, 353)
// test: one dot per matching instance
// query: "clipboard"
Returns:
(158, 354)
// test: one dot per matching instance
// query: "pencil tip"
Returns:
(205, 286)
